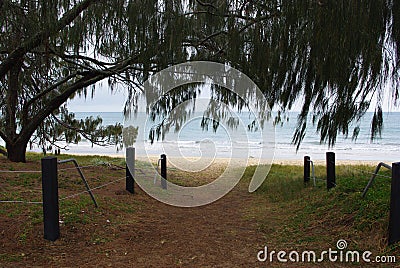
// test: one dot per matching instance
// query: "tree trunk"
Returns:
(16, 151)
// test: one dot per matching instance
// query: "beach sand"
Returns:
(253, 161)
(300, 162)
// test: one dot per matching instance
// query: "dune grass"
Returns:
(294, 215)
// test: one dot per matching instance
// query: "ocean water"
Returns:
(193, 141)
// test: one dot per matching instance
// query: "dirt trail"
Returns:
(217, 235)
(221, 234)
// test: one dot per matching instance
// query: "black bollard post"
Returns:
(130, 170)
(306, 169)
(394, 217)
(50, 198)
(330, 170)
(163, 171)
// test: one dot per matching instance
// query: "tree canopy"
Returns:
(334, 55)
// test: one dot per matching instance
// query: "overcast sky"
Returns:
(103, 101)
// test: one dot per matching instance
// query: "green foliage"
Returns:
(63, 126)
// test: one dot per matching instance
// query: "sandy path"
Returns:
(221, 234)
(216, 235)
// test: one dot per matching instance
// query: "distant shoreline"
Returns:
(188, 142)
(251, 161)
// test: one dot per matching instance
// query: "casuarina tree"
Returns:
(335, 56)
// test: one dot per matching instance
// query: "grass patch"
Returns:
(124, 207)
(26, 180)
(284, 183)
(81, 159)
(8, 257)
(74, 211)
(308, 215)
(97, 239)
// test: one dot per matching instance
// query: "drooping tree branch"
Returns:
(85, 81)
(37, 40)
(44, 92)
(78, 130)
(88, 79)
